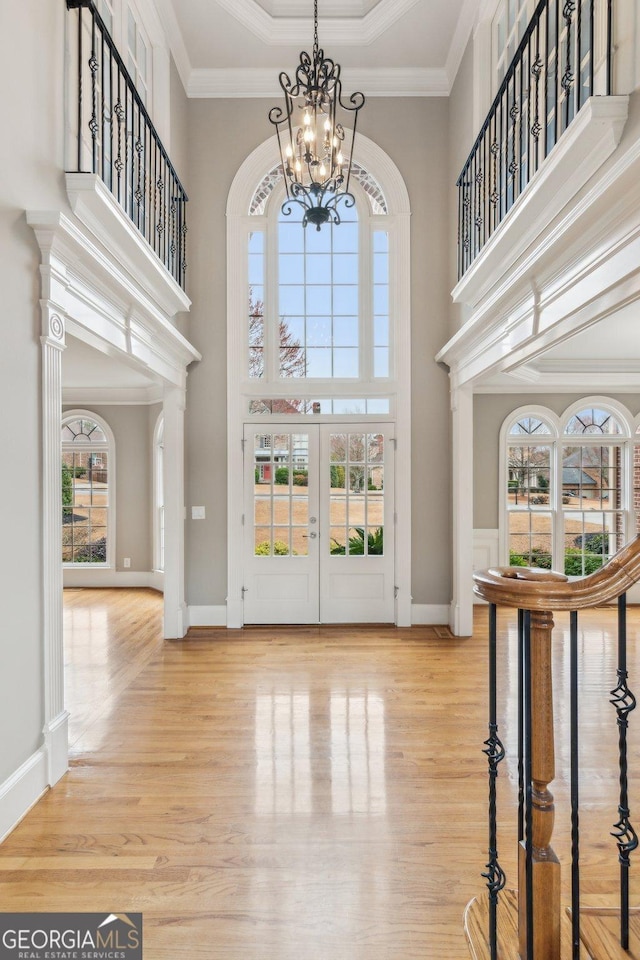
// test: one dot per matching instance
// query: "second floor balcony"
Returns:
(115, 139)
(563, 60)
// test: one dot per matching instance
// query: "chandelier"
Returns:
(311, 136)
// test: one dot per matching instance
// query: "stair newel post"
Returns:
(541, 882)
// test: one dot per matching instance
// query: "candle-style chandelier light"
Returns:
(311, 136)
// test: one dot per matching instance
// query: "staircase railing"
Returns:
(564, 58)
(537, 920)
(117, 140)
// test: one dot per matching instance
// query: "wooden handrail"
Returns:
(529, 589)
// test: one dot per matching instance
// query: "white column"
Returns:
(55, 715)
(461, 616)
(175, 608)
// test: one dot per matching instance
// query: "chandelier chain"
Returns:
(315, 26)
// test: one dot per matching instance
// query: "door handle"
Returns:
(311, 535)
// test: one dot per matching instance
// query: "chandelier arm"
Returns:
(353, 140)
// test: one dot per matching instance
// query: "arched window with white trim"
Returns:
(88, 455)
(568, 486)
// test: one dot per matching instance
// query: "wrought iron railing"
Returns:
(117, 140)
(564, 57)
(534, 928)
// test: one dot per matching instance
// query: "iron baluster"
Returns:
(528, 778)
(568, 77)
(80, 67)
(102, 106)
(624, 702)
(536, 70)
(495, 753)
(119, 112)
(93, 122)
(609, 52)
(183, 241)
(556, 71)
(578, 92)
(521, 726)
(575, 818)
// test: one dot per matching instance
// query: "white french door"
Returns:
(318, 523)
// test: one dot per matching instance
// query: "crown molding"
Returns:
(175, 40)
(351, 31)
(235, 83)
(464, 27)
(357, 31)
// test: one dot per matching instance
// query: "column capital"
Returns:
(53, 325)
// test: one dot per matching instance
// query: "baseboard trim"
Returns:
(56, 742)
(213, 616)
(113, 578)
(429, 614)
(422, 614)
(21, 791)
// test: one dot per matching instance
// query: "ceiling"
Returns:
(90, 375)
(603, 356)
(238, 47)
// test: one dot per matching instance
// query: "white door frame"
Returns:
(314, 594)
(239, 223)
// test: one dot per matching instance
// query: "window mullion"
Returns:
(272, 306)
(365, 300)
(557, 520)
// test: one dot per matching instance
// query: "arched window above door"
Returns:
(320, 302)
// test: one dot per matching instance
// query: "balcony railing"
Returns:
(563, 58)
(117, 140)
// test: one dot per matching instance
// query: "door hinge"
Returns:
(396, 591)
(243, 441)
(395, 518)
(243, 591)
(394, 442)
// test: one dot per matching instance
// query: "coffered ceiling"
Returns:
(385, 47)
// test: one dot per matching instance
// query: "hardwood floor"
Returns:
(276, 793)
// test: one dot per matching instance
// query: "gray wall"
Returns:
(31, 160)
(489, 413)
(132, 428)
(222, 133)
(178, 105)
(461, 137)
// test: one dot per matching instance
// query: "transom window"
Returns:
(568, 488)
(87, 463)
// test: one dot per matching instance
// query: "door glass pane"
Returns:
(356, 498)
(281, 495)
